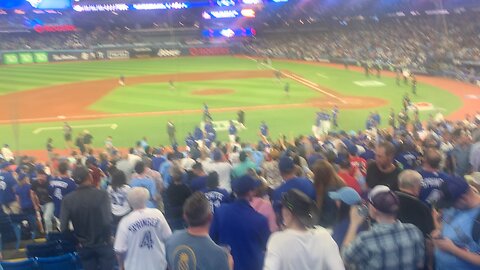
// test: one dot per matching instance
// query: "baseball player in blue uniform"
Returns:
(264, 130)
(232, 132)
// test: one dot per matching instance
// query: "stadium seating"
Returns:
(48, 249)
(64, 262)
(28, 264)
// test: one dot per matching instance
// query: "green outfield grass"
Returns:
(158, 97)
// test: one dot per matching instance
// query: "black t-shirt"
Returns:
(376, 177)
(177, 194)
(41, 190)
(415, 212)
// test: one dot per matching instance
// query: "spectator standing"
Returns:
(97, 174)
(141, 179)
(432, 177)
(326, 180)
(176, 195)
(60, 186)
(288, 170)
(7, 194)
(222, 168)
(141, 235)
(383, 171)
(90, 212)
(193, 247)
(42, 198)
(300, 246)
(461, 153)
(475, 152)
(242, 228)
(414, 211)
(24, 196)
(118, 191)
(87, 140)
(214, 194)
(199, 179)
(125, 166)
(242, 168)
(457, 242)
(344, 169)
(389, 244)
(270, 170)
(262, 205)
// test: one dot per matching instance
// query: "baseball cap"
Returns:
(384, 200)
(285, 164)
(301, 206)
(347, 195)
(21, 176)
(452, 190)
(40, 169)
(217, 155)
(244, 184)
(4, 165)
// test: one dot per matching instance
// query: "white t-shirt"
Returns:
(224, 170)
(296, 250)
(141, 235)
(120, 206)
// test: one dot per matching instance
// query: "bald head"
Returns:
(137, 197)
(410, 181)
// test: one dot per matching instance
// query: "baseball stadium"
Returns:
(195, 83)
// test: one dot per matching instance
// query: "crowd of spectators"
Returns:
(378, 199)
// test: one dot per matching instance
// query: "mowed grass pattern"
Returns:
(246, 92)
(158, 97)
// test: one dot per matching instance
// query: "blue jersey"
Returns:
(264, 130)
(149, 184)
(430, 192)
(189, 141)
(58, 189)
(209, 128)
(23, 193)
(7, 182)
(408, 160)
(216, 196)
(376, 118)
(198, 134)
(232, 130)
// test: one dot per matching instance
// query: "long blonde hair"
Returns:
(325, 178)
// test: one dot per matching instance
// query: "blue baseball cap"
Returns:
(217, 155)
(4, 165)
(244, 184)
(452, 190)
(285, 164)
(347, 195)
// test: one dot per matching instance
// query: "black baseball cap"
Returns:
(301, 206)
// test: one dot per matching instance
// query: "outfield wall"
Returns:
(110, 53)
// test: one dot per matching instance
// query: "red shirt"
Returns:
(358, 163)
(350, 181)
(96, 174)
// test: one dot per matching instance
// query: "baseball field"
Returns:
(36, 99)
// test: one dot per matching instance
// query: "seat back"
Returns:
(28, 264)
(48, 249)
(64, 262)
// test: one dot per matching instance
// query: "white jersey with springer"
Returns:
(141, 236)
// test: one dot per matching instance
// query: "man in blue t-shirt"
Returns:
(433, 178)
(60, 186)
(287, 170)
(141, 179)
(457, 244)
(193, 248)
(7, 194)
(242, 228)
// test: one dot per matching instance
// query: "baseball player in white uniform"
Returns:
(141, 235)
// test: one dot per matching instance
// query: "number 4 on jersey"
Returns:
(147, 240)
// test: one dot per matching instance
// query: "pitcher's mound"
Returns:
(211, 92)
